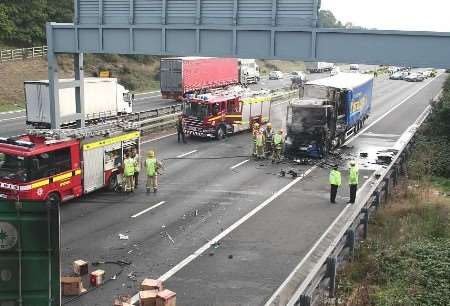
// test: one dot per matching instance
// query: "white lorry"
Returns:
(317, 67)
(248, 71)
(103, 97)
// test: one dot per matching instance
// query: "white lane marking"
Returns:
(9, 119)
(186, 154)
(158, 138)
(391, 110)
(148, 209)
(146, 93)
(202, 249)
(240, 164)
(12, 112)
(302, 262)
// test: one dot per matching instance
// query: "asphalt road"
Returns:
(203, 193)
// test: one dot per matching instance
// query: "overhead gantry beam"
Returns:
(422, 49)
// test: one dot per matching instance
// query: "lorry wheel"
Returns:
(220, 133)
(112, 183)
(53, 200)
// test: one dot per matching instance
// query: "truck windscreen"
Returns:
(316, 92)
(304, 119)
(197, 110)
(14, 167)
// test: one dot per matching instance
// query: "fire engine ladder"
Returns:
(90, 131)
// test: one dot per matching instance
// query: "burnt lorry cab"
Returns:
(327, 113)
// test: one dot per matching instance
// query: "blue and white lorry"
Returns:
(327, 113)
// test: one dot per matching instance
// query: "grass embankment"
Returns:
(406, 259)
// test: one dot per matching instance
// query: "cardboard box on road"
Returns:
(122, 300)
(97, 278)
(80, 267)
(166, 298)
(71, 286)
(148, 297)
(151, 284)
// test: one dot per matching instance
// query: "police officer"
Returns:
(268, 136)
(152, 167)
(335, 182)
(128, 173)
(353, 178)
(277, 146)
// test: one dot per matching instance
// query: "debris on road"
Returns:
(123, 237)
(97, 278)
(71, 286)
(216, 245)
(166, 298)
(148, 297)
(151, 284)
(230, 256)
(364, 154)
(170, 238)
(80, 267)
(122, 300)
(132, 275)
(385, 157)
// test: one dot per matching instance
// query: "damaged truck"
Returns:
(327, 113)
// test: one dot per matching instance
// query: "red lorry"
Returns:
(183, 75)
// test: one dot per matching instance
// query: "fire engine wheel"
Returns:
(220, 133)
(53, 200)
(113, 183)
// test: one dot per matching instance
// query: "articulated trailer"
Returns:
(59, 165)
(327, 113)
(217, 115)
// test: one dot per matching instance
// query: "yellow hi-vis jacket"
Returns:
(335, 177)
(151, 166)
(129, 165)
(353, 176)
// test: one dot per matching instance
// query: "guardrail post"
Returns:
(377, 199)
(351, 241)
(387, 188)
(365, 222)
(331, 271)
(395, 175)
(305, 300)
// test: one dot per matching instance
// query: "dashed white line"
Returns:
(9, 119)
(240, 164)
(186, 154)
(148, 209)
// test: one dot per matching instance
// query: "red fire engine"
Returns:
(60, 165)
(219, 114)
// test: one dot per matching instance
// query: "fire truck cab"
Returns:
(35, 167)
(217, 115)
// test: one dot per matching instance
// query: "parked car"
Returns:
(426, 73)
(335, 71)
(414, 77)
(393, 69)
(275, 75)
(354, 67)
(299, 74)
(399, 75)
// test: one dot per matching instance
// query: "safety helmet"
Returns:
(280, 131)
(151, 153)
(269, 124)
(256, 125)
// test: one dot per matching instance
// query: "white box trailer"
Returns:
(103, 97)
(318, 67)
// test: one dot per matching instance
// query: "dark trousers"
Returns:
(333, 192)
(181, 136)
(353, 189)
(136, 178)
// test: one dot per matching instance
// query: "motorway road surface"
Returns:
(207, 186)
